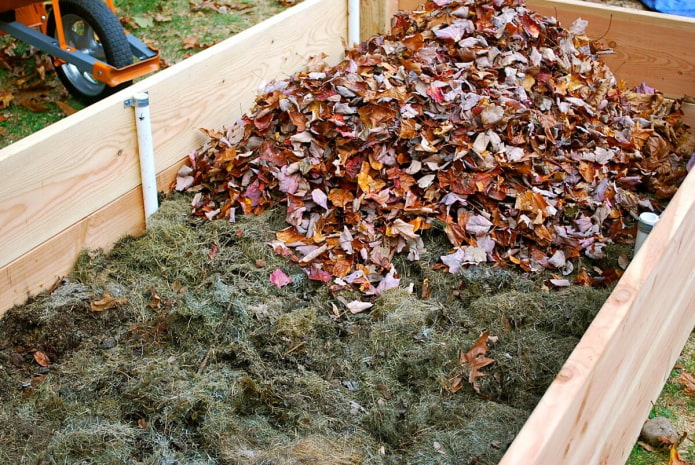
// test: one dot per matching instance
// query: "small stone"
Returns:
(659, 432)
(108, 343)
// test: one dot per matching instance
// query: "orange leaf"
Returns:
(291, 237)
(5, 99)
(340, 197)
(674, 458)
(41, 358)
(65, 108)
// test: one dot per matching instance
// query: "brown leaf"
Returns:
(687, 380)
(189, 42)
(6, 98)
(32, 104)
(107, 302)
(41, 358)
(475, 360)
(155, 301)
(65, 108)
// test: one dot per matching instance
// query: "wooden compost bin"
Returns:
(76, 185)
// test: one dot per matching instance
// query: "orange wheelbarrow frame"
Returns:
(34, 14)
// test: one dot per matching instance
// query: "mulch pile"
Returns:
(482, 119)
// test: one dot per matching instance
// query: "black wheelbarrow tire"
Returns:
(91, 27)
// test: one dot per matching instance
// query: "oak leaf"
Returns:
(473, 361)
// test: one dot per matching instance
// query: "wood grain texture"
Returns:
(375, 16)
(651, 47)
(55, 179)
(38, 269)
(593, 411)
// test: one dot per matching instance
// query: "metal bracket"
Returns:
(140, 100)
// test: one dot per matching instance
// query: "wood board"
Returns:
(58, 202)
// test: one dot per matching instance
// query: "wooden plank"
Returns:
(375, 16)
(38, 269)
(651, 47)
(689, 114)
(55, 177)
(593, 411)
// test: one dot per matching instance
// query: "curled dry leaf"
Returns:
(357, 307)
(494, 121)
(42, 359)
(107, 302)
(687, 380)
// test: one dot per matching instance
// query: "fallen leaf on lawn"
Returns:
(32, 105)
(687, 380)
(279, 278)
(155, 300)
(623, 261)
(65, 108)
(674, 457)
(143, 21)
(189, 42)
(41, 358)
(107, 302)
(5, 99)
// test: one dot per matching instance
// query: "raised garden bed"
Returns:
(65, 192)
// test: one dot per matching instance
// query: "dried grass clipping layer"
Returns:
(204, 362)
(481, 119)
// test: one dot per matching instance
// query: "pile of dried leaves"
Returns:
(481, 118)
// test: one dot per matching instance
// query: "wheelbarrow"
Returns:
(92, 53)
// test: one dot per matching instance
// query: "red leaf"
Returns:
(279, 278)
(318, 274)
